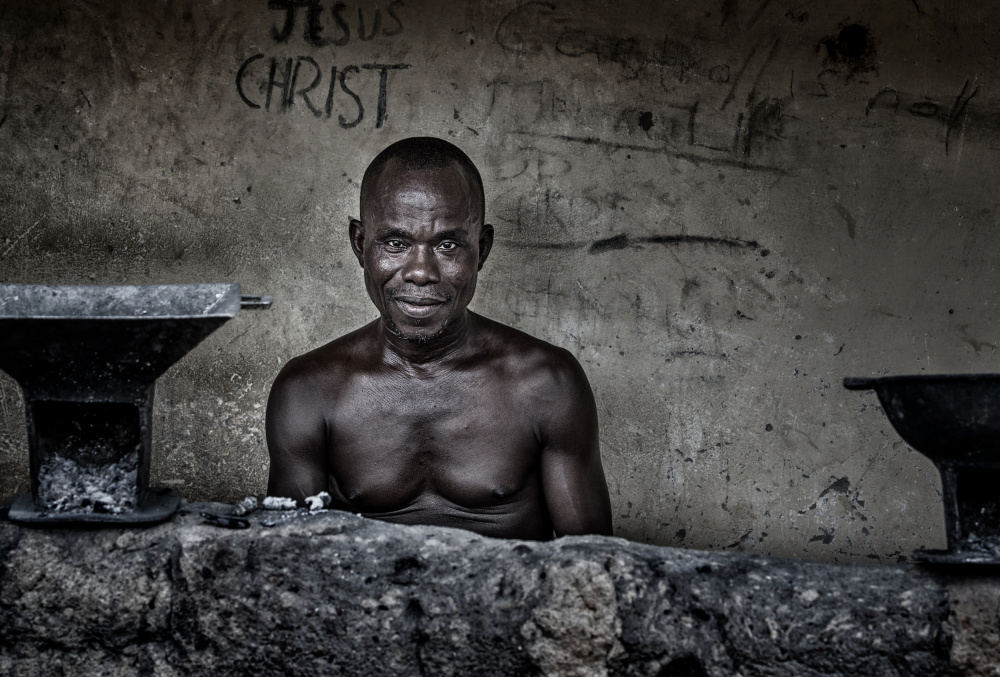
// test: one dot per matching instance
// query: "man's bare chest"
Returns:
(472, 443)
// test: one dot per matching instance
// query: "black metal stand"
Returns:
(87, 359)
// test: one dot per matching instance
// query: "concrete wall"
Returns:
(721, 208)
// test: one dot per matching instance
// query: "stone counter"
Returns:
(335, 594)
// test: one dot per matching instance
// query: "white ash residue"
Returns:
(246, 506)
(987, 545)
(287, 509)
(320, 501)
(67, 486)
(279, 503)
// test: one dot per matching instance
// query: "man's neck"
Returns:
(436, 351)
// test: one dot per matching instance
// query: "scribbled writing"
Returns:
(949, 111)
(284, 83)
(535, 26)
(321, 28)
(733, 122)
(281, 84)
(686, 129)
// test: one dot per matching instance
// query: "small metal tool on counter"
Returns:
(224, 521)
(954, 420)
(255, 302)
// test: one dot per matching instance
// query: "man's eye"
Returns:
(447, 246)
(394, 244)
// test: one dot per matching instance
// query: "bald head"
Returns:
(421, 153)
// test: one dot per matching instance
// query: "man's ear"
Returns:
(485, 243)
(358, 241)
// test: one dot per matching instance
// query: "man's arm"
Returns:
(296, 436)
(576, 492)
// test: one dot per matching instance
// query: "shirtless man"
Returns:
(433, 414)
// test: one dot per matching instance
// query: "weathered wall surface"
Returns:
(721, 209)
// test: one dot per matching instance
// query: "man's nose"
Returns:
(421, 267)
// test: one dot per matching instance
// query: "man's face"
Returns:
(421, 247)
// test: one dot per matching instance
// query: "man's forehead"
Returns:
(395, 177)
(446, 190)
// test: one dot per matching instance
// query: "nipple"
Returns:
(502, 491)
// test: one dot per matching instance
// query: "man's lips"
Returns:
(418, 306)
(419, 300)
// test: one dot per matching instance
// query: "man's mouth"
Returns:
(418, 307)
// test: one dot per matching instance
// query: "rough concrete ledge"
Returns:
(335, 594)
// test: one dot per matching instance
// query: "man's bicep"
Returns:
(296, 438)
(576, 492)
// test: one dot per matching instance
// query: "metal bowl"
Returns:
(947, 417)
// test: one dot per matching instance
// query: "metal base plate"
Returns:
(948, 557)
(157, 505)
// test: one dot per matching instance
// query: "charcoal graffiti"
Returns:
(280, 84)
(690, 130)
(700, 126)
(536, 26)
(535, 164)
(331, 24)
(522, 210)
(949, 111)
(629, 53)
(622, 241)
(273, 83)
(764, 121)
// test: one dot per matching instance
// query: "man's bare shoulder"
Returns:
(330, 363)
(532, 361)
(548, 383)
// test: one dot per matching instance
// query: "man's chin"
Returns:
(421, 335)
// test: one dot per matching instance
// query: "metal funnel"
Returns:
(87, 358)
